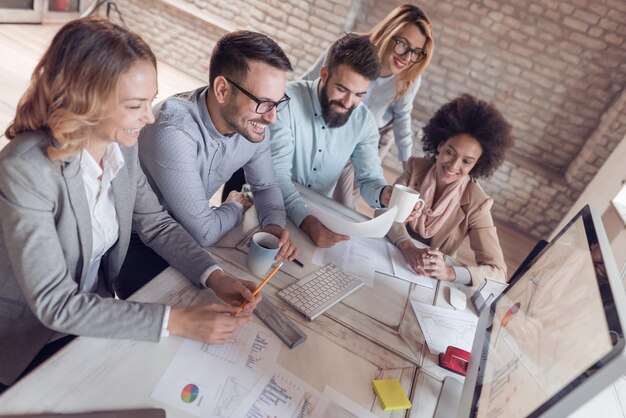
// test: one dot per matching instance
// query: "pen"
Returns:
(298, 262)
(505, 320)
(259, 287)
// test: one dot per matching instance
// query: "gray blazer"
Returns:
(45, 247)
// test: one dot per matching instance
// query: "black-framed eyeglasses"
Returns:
(262, 106)
(403, 48)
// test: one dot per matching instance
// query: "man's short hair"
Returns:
(234, 51)
(357, 52)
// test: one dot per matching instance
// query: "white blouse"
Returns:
(104, 224)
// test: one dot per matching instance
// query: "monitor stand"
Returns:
(449, 398)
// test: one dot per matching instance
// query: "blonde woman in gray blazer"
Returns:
(64, 231)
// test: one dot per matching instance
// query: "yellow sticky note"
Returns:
(391, 394)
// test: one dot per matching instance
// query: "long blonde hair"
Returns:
(382, 35)
(75, 80)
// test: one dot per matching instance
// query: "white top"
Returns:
(104, 224)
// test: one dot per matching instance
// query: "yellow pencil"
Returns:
(259, 287)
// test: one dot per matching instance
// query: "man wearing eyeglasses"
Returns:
(201, 137)
(324, 127)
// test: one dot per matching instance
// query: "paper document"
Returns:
(376, 227)
(279, 393)
(363, 257)
(402, 270)
(443, 327)
(333, 404)
(211, 380)
(359, 256)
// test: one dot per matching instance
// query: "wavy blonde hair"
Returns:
(75, 82)
(382, 35)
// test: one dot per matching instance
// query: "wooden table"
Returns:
(372, 334)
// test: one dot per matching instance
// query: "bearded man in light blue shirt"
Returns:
(323, 127)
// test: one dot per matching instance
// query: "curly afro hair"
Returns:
(477, 118)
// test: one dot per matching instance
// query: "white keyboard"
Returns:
(316, 293)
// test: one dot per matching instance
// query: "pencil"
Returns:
(259, 287)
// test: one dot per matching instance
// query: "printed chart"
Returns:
(443, 327)
(279, 394)
(212, 380)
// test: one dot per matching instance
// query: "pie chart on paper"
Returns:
(190, 393)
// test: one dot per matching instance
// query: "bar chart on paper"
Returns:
(238, 348)
(279, 393)
(272, 395)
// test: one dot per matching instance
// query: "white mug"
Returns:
(263, 249)
(405, 199)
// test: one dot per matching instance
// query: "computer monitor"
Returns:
(555, 337)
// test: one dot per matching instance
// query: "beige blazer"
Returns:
(472, 218)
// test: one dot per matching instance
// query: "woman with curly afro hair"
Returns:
(465, 140)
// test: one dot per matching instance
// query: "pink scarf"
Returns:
(434, 217)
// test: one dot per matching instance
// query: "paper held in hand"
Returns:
(375, 228)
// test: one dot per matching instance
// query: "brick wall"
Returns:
(552, 67)
(605, 138)
(557, 70)
(302, 28)
(176, 37)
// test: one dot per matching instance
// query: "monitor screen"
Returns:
(552, 329)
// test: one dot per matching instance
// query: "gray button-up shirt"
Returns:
(186, 160)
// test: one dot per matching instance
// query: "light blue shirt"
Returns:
(380, 101)
(307, 151)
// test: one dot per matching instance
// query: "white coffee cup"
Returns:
(263, 250)
(405, 199)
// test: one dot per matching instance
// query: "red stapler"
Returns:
(455, 360)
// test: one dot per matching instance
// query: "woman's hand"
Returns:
(434, 265)
(211, 323)
(234, 291)
(413, 255)
(426, 261)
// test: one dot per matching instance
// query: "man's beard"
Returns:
(230, 117)
(333, 119)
